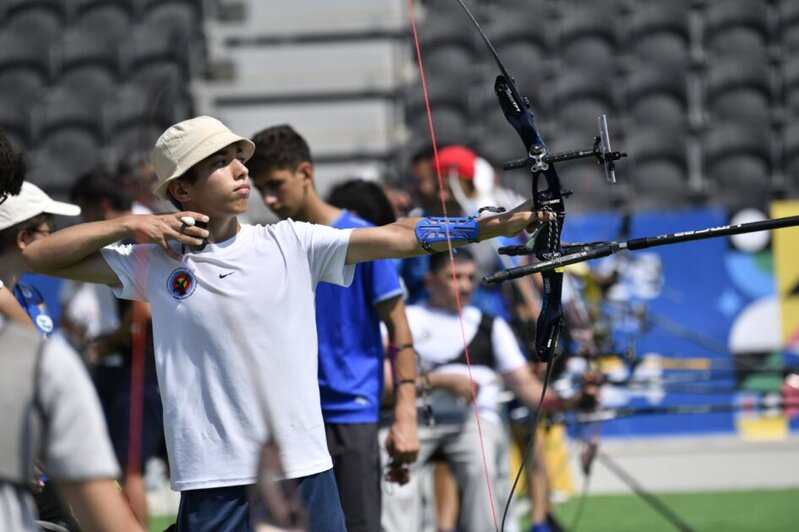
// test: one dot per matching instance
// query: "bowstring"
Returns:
(442, 197)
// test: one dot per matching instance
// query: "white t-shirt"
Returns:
(235, 342)
(76, 445)
(437, 338)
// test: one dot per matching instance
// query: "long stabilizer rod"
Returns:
(604, 249)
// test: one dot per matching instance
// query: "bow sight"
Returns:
(539, 160)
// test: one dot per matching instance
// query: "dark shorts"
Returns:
(229, 509)
(356, 462)
(113, 388)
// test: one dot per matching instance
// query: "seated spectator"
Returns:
(495, 357)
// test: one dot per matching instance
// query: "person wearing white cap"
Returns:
(23, 219)
(236, 346)
(50, 410)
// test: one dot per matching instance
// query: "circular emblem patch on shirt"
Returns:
(181, 283)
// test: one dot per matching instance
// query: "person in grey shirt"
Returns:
(50, 410)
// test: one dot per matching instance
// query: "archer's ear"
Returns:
(306, 170)
(179, 190)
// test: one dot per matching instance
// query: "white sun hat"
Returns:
(32, 201)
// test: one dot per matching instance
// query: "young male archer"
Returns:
(233, 307)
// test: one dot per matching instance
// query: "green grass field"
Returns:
(739, 511)
(157, 524)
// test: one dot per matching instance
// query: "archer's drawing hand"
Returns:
(161, 228)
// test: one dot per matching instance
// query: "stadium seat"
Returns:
(660, 33)
(12, 8)
(106, 22)
(657, 95)
(79, 48)
(737, 159)
(571, 6)
(63, 154)
(16, 138)
(135, 138)
(660, 185)
(16, 53)
(147, 46)
(511, 8)
(452, 65)
(20, 91)
(790, 73)
(136, 104)
(91, 83)
(500, 142)
(179, 19)
(588, 38)
(131, 7)
(659, 168)
(592, 191)
(581, 96)
(790, 156)
(443, 26)
(35, 27)
(739, 91)
(736, 27)
(449, 108)
(21, 87)
(520, 24)
(789, 25)
(63, 109)
(15, 120)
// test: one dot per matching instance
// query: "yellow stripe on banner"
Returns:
(787, 269)
(762, 428)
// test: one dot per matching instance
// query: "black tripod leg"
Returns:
(639, 490)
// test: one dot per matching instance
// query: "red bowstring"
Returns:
(451, 258)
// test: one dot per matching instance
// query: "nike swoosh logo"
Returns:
(223, 275)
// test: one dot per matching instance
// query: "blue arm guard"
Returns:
(435, 229)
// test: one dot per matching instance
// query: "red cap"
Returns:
(459, 158)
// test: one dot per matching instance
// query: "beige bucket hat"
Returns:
(187, 143)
